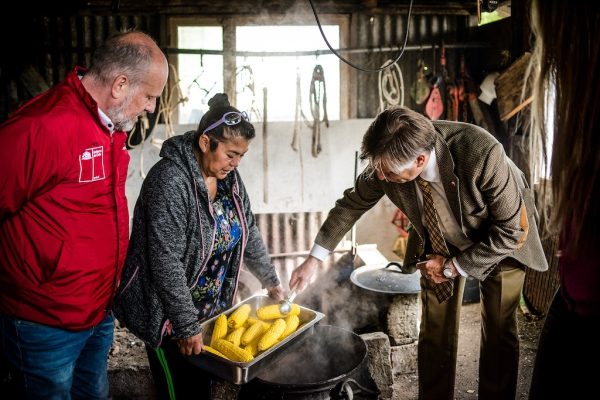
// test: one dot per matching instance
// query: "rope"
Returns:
(245, 75)
(144, 127)
(297, 114)
(391, 86)
(356, 66)
(168, 102)
(296, 142)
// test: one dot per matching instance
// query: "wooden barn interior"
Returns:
(310, 110)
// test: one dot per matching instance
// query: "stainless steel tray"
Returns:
(238, 372)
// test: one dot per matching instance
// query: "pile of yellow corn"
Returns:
(242, 336)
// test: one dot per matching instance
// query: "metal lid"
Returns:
(386, 278)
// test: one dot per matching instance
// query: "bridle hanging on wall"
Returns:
(318, 96)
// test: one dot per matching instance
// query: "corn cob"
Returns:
(271, 335)
(252, 348)
(232, 352)
(272, 311)
(291, 324)
(251, 320)
(239, 316)
(253, 332)
(219, 329)
(212, 350)
(235, 337)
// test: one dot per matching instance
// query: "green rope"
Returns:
(163, 362)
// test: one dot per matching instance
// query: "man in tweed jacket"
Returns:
(487, 217)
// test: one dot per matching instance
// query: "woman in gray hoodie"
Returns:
(193, 228)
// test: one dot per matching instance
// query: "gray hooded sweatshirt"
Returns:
(171, 243)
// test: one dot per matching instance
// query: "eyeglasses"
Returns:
(229, 118)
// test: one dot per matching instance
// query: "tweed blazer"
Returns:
(487, 193)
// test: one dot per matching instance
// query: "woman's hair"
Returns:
(565, 65)
(396, 137)
(128, 53)
(219, 105)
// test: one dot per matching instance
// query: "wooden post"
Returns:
(265, 150)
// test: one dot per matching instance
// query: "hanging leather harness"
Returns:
(318, 96)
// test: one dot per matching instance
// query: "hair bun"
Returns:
(219, 100)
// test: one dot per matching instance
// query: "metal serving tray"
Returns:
(239, 372)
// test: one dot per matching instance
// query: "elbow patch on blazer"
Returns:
(524, 223)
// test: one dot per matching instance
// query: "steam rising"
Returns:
(344, 304)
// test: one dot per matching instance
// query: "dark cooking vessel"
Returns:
(330, 363)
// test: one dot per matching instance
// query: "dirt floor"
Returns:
(128, 351)
(405, 386)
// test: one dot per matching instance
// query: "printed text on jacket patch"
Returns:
(91, 164)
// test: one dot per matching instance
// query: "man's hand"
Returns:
(302, 274)
(275, 292)
(190, 345)
(433, 269)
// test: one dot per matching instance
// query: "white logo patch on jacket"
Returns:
(91, 164)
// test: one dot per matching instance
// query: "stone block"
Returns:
(403, 318)
(380, 367)
(404, 358)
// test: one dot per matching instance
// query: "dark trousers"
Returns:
(175, 377)
(568, 350)
(499, 352)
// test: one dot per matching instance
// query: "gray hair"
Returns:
(125, 54)
(395, 138)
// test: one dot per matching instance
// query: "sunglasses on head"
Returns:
(229, 118)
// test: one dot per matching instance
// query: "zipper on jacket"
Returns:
(203, 267)
(115, 176)
(245, 232)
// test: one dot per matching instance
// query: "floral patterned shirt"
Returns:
(207, 292)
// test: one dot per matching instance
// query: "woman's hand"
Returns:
(276, 292)
(190, 345)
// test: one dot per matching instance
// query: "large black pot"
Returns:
(329, 364)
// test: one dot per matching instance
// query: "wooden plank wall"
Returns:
(289, 238)
(377, 30)
(53, 43)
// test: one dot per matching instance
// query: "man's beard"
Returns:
(119, 117)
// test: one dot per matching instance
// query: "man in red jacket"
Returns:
(64, 223)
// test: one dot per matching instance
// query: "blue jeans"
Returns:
(53, 363)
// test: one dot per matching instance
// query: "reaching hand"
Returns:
(190, 345)
(303, 273)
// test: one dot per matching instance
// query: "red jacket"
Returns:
(64, 223)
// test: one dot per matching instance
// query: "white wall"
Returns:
(296, 182)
